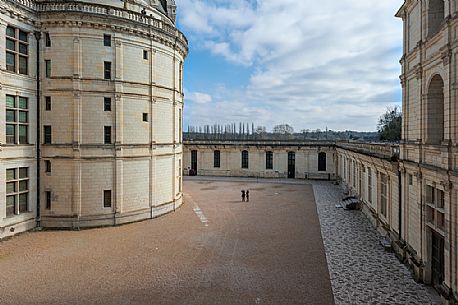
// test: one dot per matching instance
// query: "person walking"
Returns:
(243, 195)
(247, 195)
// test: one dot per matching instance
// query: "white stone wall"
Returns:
(306, 161)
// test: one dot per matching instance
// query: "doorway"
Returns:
(193, 171)
(291, 165)
(437, 260)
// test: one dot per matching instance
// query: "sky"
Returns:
(310, 64)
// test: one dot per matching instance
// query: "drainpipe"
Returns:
(38, 140)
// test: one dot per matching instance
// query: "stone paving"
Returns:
(361, 271)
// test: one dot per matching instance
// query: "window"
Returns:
(383, 194)
(17, 191)
(410, 179)
(436, 15)
(216, 159)
(17, 51)
(322, 162)
(47, 103)
(269, 160)
(145, 117)
(47, 166)
(107, 198)
(47, 40)
(47, 134)
(107, 134)
(180, 171)
(48, 200)
(17, 120)
(435, 201)
(244, 159)
(107, 40)
(145, 54)
(107, 104)
(47, 68)
(107, 69)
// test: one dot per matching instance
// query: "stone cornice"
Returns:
(96, 15)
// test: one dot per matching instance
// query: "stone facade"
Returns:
(311, 160)
(429, 137)
(103, 111)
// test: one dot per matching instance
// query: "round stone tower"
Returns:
(110, 107)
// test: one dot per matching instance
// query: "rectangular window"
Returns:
(217, 159)
(107, 104)
(410, 179)
(383, 194)
(48, 200)
(17, 120)
(244, 159)
(47, 40)
(107, 40)
(180, 171)
(269, 160)
(17, 191)
(47, 103)
(47, 166)
(47, 134)
(17, 51)
(107, 198)
(145, 54)
(47, 68)
(107, 69)
(107, 134)
(145, 117)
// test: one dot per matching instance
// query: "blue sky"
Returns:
(311, 64)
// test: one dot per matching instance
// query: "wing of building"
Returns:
(91, 100)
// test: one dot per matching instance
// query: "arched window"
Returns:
(436, 15)
(322, 162)
(435, 111)
(245, 159)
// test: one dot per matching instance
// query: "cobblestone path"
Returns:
(361, 271)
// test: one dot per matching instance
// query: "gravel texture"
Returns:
(214, 250)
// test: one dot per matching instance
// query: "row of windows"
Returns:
(269, 159)
(17, 52)
(47, 134)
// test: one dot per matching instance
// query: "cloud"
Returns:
(198, 97)
(312, 62)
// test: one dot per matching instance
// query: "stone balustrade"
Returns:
(381, 150)
(94, 8)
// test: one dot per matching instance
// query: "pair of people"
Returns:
(245, 194)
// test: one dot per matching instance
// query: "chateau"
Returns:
(92, 99)
(91, 94)
(409, 192)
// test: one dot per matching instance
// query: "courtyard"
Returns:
(216, 250)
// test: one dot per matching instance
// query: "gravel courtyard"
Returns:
(213, 250)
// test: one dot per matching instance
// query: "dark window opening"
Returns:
(107, 104)
(47, 40)
(107, 40)
(47, 134)
(145, 117)
(322, 162)
(47, 166)
(107, 69)
(47, 68)
(107, 198)
(145, 54)
(47, 103)
(107, 134)
(244, 159)
(216, 159)
(269, 160)
(48, 200)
